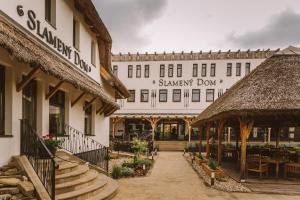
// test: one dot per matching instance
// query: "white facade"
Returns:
(20, 13)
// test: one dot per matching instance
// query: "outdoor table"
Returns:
(277, 162)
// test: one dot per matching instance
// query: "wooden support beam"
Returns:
(54, 90)
(200, 129)
(207, 140)
(89, 103)
(101, 109)
(221, 124)
(246, 125)
(276, 131)
(111, 111)
(27, 79)
(77, 99)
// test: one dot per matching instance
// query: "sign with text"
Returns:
(186, 83)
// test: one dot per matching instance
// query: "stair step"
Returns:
(80, 170)
(108, 192)
(66, 167)
(70, 185)
(84, 192)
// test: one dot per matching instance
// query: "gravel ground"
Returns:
(227, 184)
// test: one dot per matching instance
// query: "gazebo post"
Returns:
(275, 130)
(200, 139)
(246, 125)
(207, 140)
(221, 124)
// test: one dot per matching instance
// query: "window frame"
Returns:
(213, 95)
(203, 70)
(54, 101)
(115, 70)
(50, 12)
(195, 70)
(147, 71)
(194, 90)
(229, 66)
(128, 99)
(2, 100)
(130, 71)
(170, 70)
(179, 70)
(213, 68)
(160, 93)
(162, 71)
(247, 66)
(173, 95)
(76, 34)
(144, 91)
(238, 68)
(138, 73)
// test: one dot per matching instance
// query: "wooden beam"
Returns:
(221, 124)
(207, 140)
(27, 79)
(89, 103)
(77, 99)
(101, 108)
(111, 111)
(200, 139)
(54, 90)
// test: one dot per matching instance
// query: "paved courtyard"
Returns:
(173, 178)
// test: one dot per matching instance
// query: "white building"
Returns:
(55, 71)
(168, 90)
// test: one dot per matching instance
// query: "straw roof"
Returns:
(273, 87)
(27, 49)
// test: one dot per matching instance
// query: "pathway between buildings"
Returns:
(173, 178)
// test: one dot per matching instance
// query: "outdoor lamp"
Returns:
(212, 178)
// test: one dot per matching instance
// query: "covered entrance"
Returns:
(173, 129)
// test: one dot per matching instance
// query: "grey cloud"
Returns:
(125, 20)
(282, 30)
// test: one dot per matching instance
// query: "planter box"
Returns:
(200, 162)
(218, 172)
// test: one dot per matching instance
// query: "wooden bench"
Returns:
(291, 168)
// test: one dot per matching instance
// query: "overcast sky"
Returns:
(194, 25)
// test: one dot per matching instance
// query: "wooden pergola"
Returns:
(268, 97)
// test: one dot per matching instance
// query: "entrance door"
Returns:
(29, 108)
(57, 113)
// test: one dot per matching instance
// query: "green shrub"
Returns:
(200, 156)
(116, 171)
(129, 164)
(212, 164)
(297, 149)
(140, 147)
(126, 171)
(141, 162)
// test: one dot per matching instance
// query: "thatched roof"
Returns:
(27, 49)
(273, 87)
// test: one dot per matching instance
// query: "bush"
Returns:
(141, 162)
(126, 171)
(128, 164)
(140, 147)
(212, 164)
(200, 156)
(116, 171)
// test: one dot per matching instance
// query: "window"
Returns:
(88, 120)
(2, 100)
(57, 113)
(170, 71)
(115, 70)
(176, 95)
(146, 71)
(163, 95)
(130, 71)
(203, 70)
(50, 12)
(93, 53)
(238, 69)
(179, 70)
(213, 70)
(144, 95)
(220, 92)
(195, 70)
(29, 103)
(210, 93)
(229, 69)
(132, 96)
(162, 71)
(138, 71)
(76, 34)
(195, 95)
(247, 68)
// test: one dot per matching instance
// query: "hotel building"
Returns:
(169, 90)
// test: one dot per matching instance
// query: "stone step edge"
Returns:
(77, 172)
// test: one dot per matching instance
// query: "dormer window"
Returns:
(76, 33)
(50, 12)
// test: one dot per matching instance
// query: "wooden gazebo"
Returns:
(268, 97)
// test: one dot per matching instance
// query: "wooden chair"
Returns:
(254, 164)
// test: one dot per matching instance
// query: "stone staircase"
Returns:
(171, 145)
(76, 180)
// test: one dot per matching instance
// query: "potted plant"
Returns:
(51, 143)
(211, 167)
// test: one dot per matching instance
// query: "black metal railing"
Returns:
(39, 156)
(84, 147)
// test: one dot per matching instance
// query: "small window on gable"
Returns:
(76, 33)
(93, 53)
(50, 12)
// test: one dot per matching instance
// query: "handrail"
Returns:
(39, 156)
(84, 147)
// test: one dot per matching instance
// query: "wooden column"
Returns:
(207, 141)
(113, 127)
(275, 130)
(200, 138)
(246, 125)
(229, 135)
(153, 122)
(221, 124)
